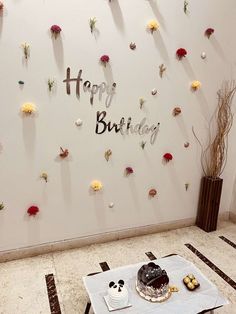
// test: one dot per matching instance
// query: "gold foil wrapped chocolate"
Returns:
(191, 282)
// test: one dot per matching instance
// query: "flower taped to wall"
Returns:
(63, 152)
(195, 85)
(108, 154)
(152, 192)
(128, 171)
(26, 50)
(143, 144)
(209, 31)
(167, 157)
(1, 206)
(96, 185)
(153, 26)
(162, 69)
(55, 30)
(28, 108)
(1, 6)
(104, 59)
(186, 4)
(132, 46)
(44, 176)
(79, 122)
(176, 111)
(33, 210)
(92, 24)
(181, 53)
(51, 84)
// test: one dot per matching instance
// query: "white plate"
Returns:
(110, 309)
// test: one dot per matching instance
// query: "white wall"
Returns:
(30, 145)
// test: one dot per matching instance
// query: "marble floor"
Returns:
(23, 288)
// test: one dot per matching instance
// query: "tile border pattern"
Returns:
(228, 241)
(104, 266)
(212, 266)
(52, 294)
(151, 256)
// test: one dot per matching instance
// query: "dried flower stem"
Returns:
(26, 50)
(186, 6)
(214, 156)
(162, 69)
(51, 83)
(92, 24)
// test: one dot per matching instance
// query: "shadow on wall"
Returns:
(108, 74)
(29, 136)
(157, 13)
(33, 228)
(65, 178)
(99, 207)
(203, 104)
(182, 126)
(217, 47)
(188, 68)
(159, 43)
(134, 193)
(58, 51)
(117, 15)
(178, 184)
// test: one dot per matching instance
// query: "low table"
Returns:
(203, 299)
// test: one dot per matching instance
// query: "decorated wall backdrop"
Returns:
(30, 145)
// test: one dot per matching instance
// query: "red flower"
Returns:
(167, 157)
(104, 59)
(181, 52)
(64, 152)
(55, 29)
(33, 210)
(129, 170)
(209, 32)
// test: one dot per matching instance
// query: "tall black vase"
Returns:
(209, 203)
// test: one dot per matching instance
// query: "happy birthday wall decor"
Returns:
(92, 89)
(125, 127)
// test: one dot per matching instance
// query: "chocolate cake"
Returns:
(153, 283)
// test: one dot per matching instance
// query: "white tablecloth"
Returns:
(205, 297)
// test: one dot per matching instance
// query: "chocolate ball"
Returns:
(195, 282)
(191, 276)
(190, 286)
(186, 280)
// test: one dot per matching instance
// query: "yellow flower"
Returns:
(153, 25)
(96, 185)
(28, 108)
(196, 84)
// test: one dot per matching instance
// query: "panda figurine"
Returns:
(118, 296)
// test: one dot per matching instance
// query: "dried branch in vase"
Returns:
(214, 156)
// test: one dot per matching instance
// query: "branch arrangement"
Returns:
(214, 156)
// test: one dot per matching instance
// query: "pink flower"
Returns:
(209, 32)
(167, 157)
(181, 52)
(55, 29)
(152, 192)
(129, 170)
(104, 59)
(33, 210)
